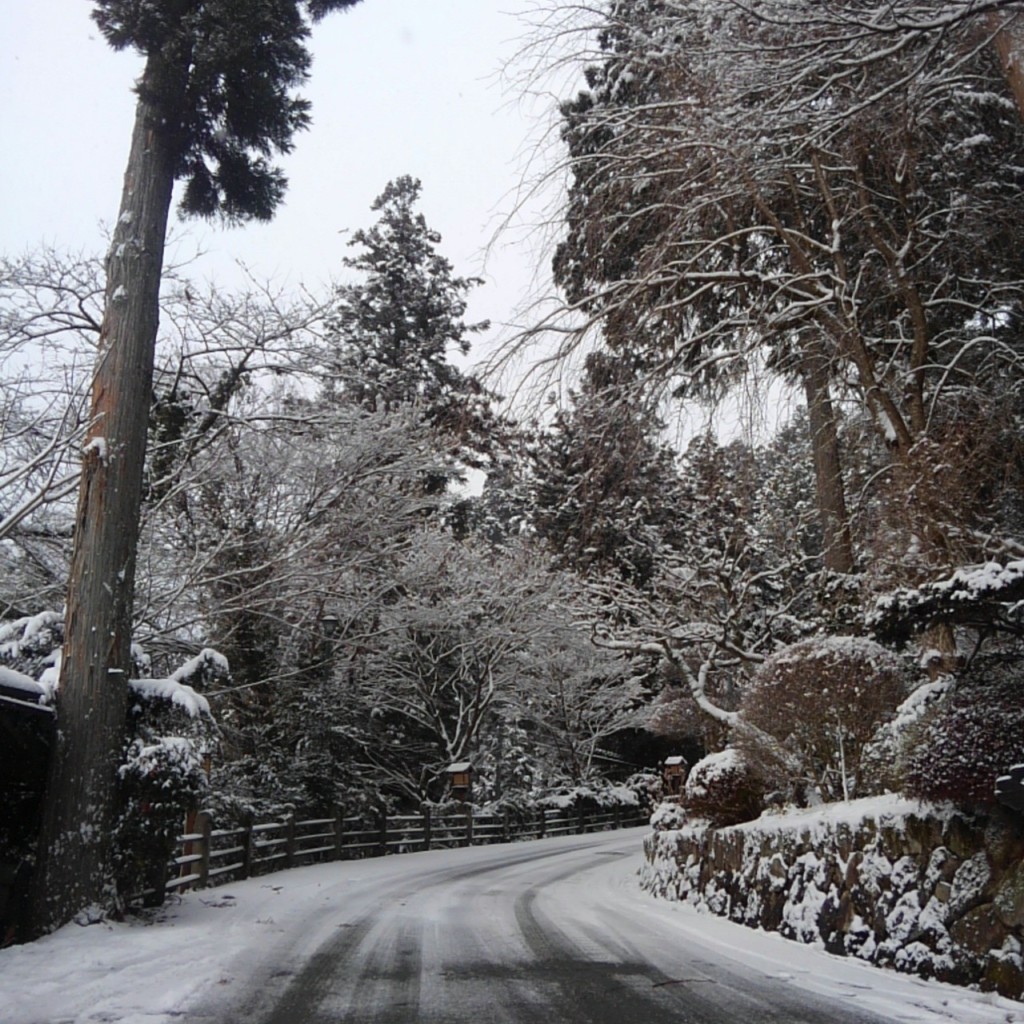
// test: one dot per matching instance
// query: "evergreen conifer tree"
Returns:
(395, 329)
(215, 101)
(606, 493)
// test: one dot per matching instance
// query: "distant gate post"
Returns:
(426, 826)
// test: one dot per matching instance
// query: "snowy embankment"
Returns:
(900, 884)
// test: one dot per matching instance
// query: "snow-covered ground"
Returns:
(206, 948)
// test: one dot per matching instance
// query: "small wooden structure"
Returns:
(673, 773)
(460, 781)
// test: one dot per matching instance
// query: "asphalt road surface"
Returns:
(531, 933)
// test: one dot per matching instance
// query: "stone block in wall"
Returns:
(1004, 976)
(941, 867)
(773, 904)
(852, 875)
(1004, 840)
(901, 923)
(971, 884)
(834, 920)
(873, 872)
(905, 875)
(980, 931)
(1009, 896)
(961, 837)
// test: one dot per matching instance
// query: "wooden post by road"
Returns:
(339, 832)
(204, 826)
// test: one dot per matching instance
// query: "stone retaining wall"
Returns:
(920, 888)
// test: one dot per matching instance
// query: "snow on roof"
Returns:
(459, 767)
(675, 759)
(13, 680)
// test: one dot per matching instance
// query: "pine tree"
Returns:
(215, 100)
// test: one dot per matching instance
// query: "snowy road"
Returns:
(522, 934)
(550, 931)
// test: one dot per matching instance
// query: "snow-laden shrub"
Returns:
(881, 760)
(667, 817)
(812, 707)
(648, 785)
(967, 740)
(724, 789)
(161, 776)
(596, 795)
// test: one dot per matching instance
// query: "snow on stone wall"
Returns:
(920, 888)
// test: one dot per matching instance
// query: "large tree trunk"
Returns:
(1009, 43)
(75, 870)
(828, 477)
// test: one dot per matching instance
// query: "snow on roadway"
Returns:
(202, 945)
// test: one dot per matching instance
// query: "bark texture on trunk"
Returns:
(1009, 44)
(828, 477)
(74, 870)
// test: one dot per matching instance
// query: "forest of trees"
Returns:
(811, 204)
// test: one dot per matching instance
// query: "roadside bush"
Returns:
(964, 743)
(812, 708)
(723, 789)
(668, 817)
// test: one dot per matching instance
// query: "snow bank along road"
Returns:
(548, 931)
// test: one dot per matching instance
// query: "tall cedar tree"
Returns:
(607, 492)
(215, 101)
(396, 327)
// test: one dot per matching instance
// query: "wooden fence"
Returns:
(212, 856)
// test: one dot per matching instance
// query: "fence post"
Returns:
(581, 821)
(469, 824)
(426, 826)
(382, 822)
(289, 841)
(617, 817)
(247, 849)
(542, 825)
(339, 832)
(204, 826)
(505, 831)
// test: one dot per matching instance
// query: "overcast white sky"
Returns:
(398, 87)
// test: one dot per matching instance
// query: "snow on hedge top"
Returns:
(886, 810)
(853, 649)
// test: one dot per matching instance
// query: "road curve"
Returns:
(529, 933)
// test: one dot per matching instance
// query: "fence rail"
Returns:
(208, 856)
